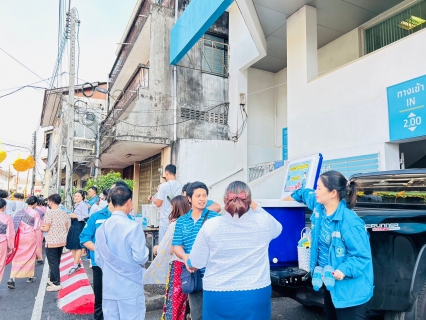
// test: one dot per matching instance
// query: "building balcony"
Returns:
(134, 47)
(134, 127)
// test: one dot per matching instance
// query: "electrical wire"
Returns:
(8, 94)
(22, 64)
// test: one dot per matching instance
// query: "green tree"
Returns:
(105, 181)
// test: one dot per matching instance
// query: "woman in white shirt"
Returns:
(234, 250)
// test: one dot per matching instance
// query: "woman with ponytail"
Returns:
(234, 250)
(339, 239)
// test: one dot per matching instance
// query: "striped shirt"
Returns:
(186, 229)
(324, 240)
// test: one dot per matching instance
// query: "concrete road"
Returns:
(20, 303)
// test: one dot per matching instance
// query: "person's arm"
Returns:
(200, 250)
(306, 196)
(47, 222)
(37, 221)
(137, 244)
(10, 235)
(215, 207)
(88, 233)
(358, 250)
(161, 196)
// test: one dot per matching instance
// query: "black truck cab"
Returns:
(393, 207)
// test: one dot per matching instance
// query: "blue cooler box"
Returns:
(291, 215)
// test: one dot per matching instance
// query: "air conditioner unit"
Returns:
(152, 213)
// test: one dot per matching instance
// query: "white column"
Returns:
(302, 64)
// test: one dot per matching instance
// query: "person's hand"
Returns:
(190, 269)
(338, 275)
(155, 250)
(150, 197)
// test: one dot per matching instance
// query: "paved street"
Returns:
(19, 303)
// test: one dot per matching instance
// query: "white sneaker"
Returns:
(53, 287)
(49, 282)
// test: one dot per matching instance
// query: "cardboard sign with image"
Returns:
(302, 173)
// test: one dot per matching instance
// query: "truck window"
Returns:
(391, 190)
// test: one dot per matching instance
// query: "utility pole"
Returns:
(33, 179)
(70, 116)
(98, 147)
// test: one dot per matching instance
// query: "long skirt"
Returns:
(73, 237)
(24, 261)
(240, 305)
(3, 254)
(175, 301)
(39, 251)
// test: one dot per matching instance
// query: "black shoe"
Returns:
(11, 284)
(31, 279)
(40, 261)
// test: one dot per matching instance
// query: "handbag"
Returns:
(191, 281)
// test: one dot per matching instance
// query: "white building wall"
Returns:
(267, 109)
(339, 52)
(344, 113)
(216, 162)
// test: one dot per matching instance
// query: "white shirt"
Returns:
(95, 208)
(125, 240)
(103, 203)
(169, 189)
(234, 251)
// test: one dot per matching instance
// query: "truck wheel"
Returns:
(395, 315)
(421, 304)
(418, 312)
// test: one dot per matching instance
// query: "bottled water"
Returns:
(329, 280)
(144, 222)
(317, 278)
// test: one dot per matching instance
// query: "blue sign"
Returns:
(407, 109)
(194, 22)
(285, 144)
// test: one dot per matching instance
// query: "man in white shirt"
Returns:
(166, 193)
(121, 253)
(10, 206)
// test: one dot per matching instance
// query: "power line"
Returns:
(22, 64)
(8, 94)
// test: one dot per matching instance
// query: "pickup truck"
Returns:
(393, 207)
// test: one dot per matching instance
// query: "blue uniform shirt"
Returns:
(89, 231)
(187, 229)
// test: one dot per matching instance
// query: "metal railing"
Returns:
(140, 79)
(396, 27)
(258, 170)
(134, 31)
(214, 57)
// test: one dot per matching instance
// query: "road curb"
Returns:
(76, 295)
(153, 302)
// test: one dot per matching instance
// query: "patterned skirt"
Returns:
(175, 301)
(23, 263)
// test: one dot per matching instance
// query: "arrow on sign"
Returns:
(411, 115)
(412, 128)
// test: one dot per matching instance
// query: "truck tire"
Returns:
(421, 304)
(418, 312)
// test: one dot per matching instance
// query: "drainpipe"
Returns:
(175, 86)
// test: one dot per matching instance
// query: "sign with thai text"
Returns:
(407, 109)
(301, 173)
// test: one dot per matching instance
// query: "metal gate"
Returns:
(149, 178)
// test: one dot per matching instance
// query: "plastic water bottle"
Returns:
(317, 278)
(329, 280)
(144, 222)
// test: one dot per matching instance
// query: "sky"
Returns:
(29, 33)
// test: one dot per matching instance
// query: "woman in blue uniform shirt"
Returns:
(339, 239)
